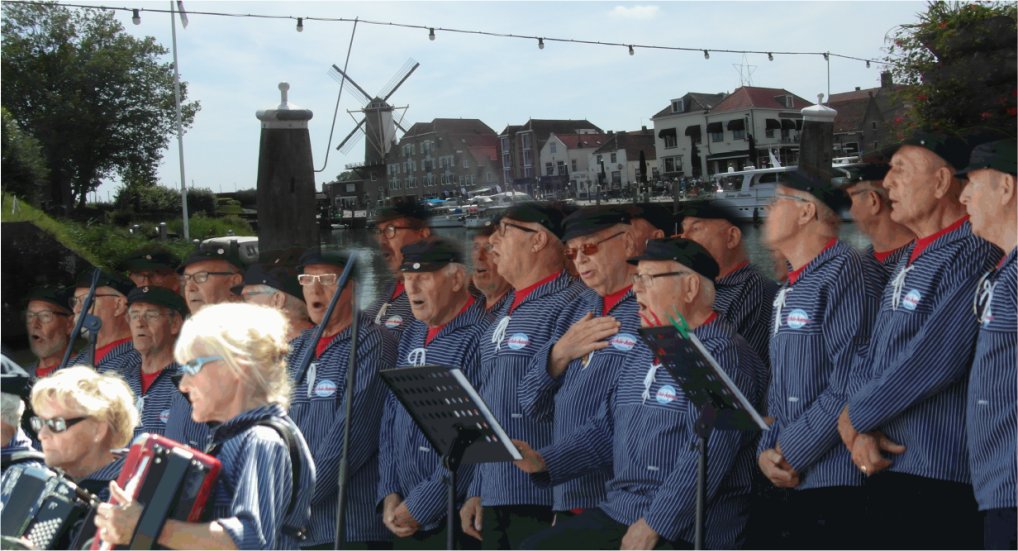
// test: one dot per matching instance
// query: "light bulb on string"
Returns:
(300, 24)
(770, 56)
(867, 64)
(706, 54)
(631, 50)
(431, 34)
(136, 17)
(540, 43)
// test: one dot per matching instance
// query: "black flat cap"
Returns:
(277, 276)
(57, 296)
(709, 210)
(106, 279)
(849, 176)
(826, 192)
(997, 155)
(315, 255)
(404, 209)
(590, 220)
(659, 215)
(150, 258)
(688, 253)
(953, 149)
(489, 227)
(16, 379)
(429, 255)
(212, 253)
(159, 296)
(545, 214)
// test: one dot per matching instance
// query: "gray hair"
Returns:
(11, 409)
(292, 306)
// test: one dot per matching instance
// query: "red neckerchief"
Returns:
(433, 331)
(713, 316)
(102, 351)
(735, 269)
(41, 371)
(882, 256)
(609, 301)
(323, 343)
(794, 274)
(400, 287)
(923, 242)
(1003, 259)
(523, 293)
(147, 379)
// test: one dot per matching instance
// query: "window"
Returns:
(717, 136)
(561, 168)
(599, 159)
(527, 162)
(769, 133)
(573, 164)
(548, 169)
(466, 162)
(528, 172)
(428, 167)
(678, 106)
(669, 164)
(671, 141)
(656, 174)
(552, 147)
(874, 123)
(614, 158)
(739, 134)
(525, 140)
(394, 184)
(351, 188)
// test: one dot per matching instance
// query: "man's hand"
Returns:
(777, 470)
(846, 430)
(406, 524)
(116, 523)
(640, 536)
(470, 517)
(866, 452)
(532, 461)
(390, 505)
(583, 337)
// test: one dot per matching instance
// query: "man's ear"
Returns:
(943, 178)
(690, 288)
(733, 237)
(278, 300)
(426, 232)
(1007, 184)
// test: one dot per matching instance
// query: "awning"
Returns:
(667, 132)
(714, 127)
(737, 124)
(798, 124)
(693, 130)
(787, 124)
(729, 155)
(773, 124)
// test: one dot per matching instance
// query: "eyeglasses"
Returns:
(149, 316)
(56, 424)
(647, 280)
(75, 301)
(324, 279)
(588, 249)
(202, 277)
(44, 316)
(390, 231)
(250, 294)
(502, 226)
(195, 366)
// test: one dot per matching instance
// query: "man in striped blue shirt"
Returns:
(911, 399)
(489, 284)
(48, 322)
(396, 227)
(645, 430)
(871, 212)
(504, 504)
(319, 406)
(569, 378)
(447, 331)
(991, 421)
(823, 315)
(113, 343)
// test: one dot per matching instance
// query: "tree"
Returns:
(23, 167)
(99, 101)
(958, 65)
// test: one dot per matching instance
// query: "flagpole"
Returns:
(180, 124)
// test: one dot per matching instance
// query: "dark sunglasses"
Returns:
(56, 424)
(588, 249)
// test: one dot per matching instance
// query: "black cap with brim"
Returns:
(489, 226)
(849, 176)
(159, 296)
(545, 214)
(282, 278)
(429, 255)
(827, 193)
(57, 296)
(16, 380)
(212, 253)
(106, 279)
(314, 256)
(405, 209)
(688, 253)
(150, 258)
(953, 149)
(1000, 155)
(591, 220)
(709, 210)
(659, 215)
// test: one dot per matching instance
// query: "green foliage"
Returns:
(24, 169)
(203, 227)
(959, 67)
(99, 101)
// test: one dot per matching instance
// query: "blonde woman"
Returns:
(233, 360)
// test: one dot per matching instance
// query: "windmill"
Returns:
(378, 124)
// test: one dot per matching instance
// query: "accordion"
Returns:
(171, 481)
(42, 507)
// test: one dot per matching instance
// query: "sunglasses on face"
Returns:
(56, 424)
(195, 366)
(588, 249)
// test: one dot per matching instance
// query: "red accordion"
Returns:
(170, 479)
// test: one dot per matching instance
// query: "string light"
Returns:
(770, 56)
(431, 30)
(300, 24)
(540, 43)
(827, 56)
(867, 64)
(631, 50)
(136, 17)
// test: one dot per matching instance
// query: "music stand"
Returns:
(454, 419)
(709, 388)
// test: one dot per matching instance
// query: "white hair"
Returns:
(11, 409)
(453, 267)
(292, 306)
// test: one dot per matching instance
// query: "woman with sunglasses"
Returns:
(80, 416)
(233, 361)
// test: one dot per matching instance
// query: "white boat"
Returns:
(447, 217)
(247, 245)
(748, 192)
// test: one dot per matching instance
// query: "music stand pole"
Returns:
(451, 461)
(703, 427)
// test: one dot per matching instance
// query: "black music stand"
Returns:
(454, 419)
(708, 387)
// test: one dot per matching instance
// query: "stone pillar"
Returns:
(286, 179)
(816, 141)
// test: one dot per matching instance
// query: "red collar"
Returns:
(323, 343)
(102, 351)
(610, 300)
(882, 256)
(41, 371)
(523, 293)
(434, 331)
(147, 379)
(400, 287)
(923, 242)
(713, 316)
(794, 274)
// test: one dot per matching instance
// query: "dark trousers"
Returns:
(769, 524)
(435, 539)
(827, 518)
(913, 512)
(592, 529)
(505, 527)
(1000, 529)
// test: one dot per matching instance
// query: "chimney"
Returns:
(886, 80)
(816, 140)
(643, 129)
(857, 88)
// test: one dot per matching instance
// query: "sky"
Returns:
(233, 65)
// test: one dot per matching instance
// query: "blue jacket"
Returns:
(393, 315)
(154, 406)
(744, 298)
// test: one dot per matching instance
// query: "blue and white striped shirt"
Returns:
(181, 427)
(916, 371)
(319, 410)
(575, 397)
(98, 482)
(393, 315)
(822, 323)
(114, 360)
(744, 298)
(992, 422)
(506, 350)
(885, 267)
(645, 433)
(154, 405)
(408, 465)
(255, 485)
